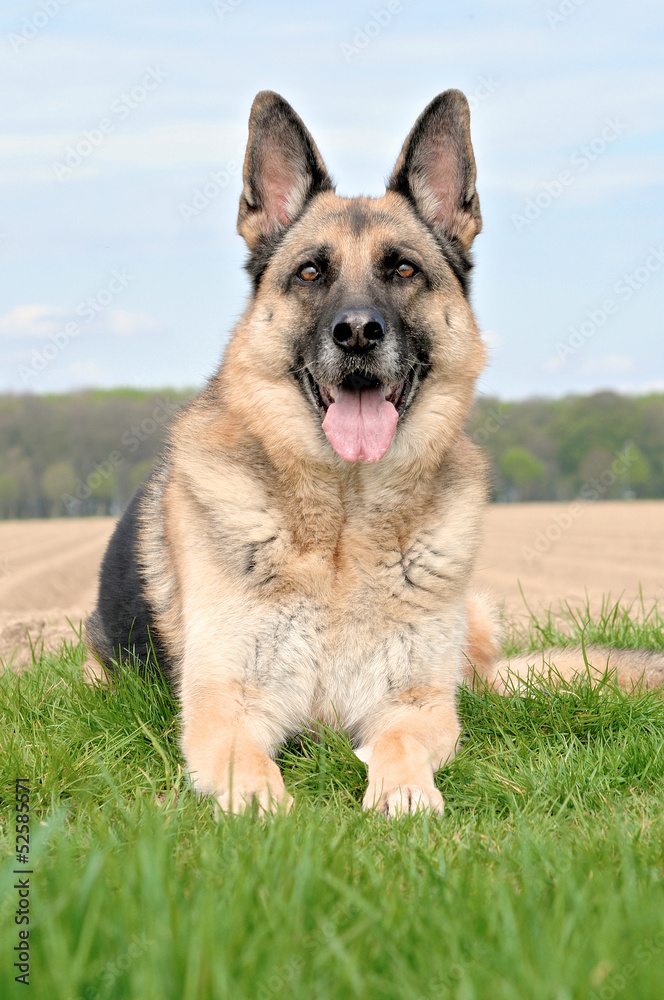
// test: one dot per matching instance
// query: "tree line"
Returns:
(79, 454)
(602, 446)
(85, 453)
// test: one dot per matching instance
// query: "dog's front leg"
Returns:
(415, 736)
(225, 747)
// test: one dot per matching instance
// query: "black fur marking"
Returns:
(122, 623)
(257, 262)
(359, 219)
(418, 586)
(298, 372)
(443, 117)
(254, 551)
(418, 561)
(460, 260)
(251, 557)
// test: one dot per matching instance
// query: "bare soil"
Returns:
(555, 552)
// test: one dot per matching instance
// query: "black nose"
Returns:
(358, 329)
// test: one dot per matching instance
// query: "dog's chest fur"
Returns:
(333, 593)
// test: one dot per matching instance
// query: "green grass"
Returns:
(615, 624)
(544, 878)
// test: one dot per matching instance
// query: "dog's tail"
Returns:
(482, 661)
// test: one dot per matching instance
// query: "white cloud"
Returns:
(86, 371)
(492, 340)
(641, 388)
(49, 157)
(31, 321)
(40, 322)
(610, 364)
(120, 323)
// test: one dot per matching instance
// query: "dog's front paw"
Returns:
(401, 800)
(260, 784)
(267, 799)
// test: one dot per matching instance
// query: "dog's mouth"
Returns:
(360, 414)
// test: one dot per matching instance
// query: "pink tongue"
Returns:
(360, 424)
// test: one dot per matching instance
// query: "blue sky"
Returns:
(119, 259)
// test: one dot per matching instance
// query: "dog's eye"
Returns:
(308, 272)
(406, 269)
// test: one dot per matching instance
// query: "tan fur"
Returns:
(630, 668)
(483, 635)
(332, 662)
(416, 736)
(218, 735)
(357, 591)
(366, 565)
(289, 586)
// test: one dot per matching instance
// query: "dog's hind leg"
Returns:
(482, 640)
(629, 667)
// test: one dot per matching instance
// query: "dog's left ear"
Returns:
(282, 169)
(436, 168)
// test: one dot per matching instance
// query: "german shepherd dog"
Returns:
(302, 553)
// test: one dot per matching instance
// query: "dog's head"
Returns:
(360, 304)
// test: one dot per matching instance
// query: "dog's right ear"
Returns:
(282, 170)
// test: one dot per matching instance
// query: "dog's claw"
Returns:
(403, 800)
(267, 802)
